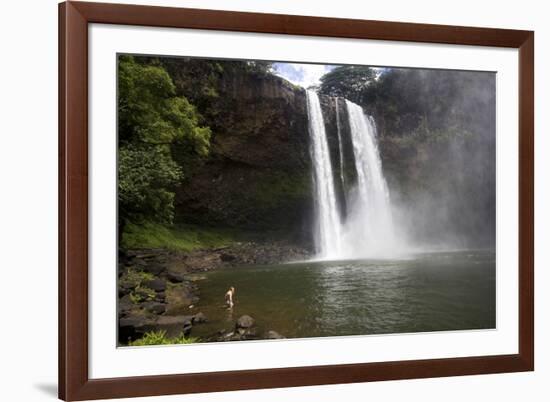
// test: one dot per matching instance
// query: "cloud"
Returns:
(304, 75)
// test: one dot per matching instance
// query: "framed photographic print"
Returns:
(259, 200)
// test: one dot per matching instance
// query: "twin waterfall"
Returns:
(362, 228)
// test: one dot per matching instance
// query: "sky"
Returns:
(304, 75)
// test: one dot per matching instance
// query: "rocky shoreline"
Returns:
(157, 290)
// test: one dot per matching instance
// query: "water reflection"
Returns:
(427, 292)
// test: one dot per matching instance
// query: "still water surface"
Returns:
(424, 292)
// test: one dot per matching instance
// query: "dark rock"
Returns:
(175, 325)
(227, 257)
(274, 335)
(199, 318)
(123, 291)
(179, 298)
(175, 277)
(250, 334)
(158, 285)
(160, 296)
(125, 286)
(261, 154)
(154, 268)
(154, 307)
(125, 304)
(245, 322)
(129, 327)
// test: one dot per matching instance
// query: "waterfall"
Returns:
(369, 227)
(328, 226)
(367, 230)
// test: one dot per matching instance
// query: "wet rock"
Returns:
(154, 307)
(245, 322)
(225, 257)
(273, 335)
(154, 268)
(129, 327)
(125, 286)
(125, 304)
(199, 318)
(179, 298)
(175, 325)
(123, 291)
(158, 285)
(175, 277)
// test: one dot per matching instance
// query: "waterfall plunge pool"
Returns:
(425, 292)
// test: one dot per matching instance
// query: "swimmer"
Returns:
(229, 297)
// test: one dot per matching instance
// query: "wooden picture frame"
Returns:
(74, 381)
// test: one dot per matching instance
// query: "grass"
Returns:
(180, 237)
(159, 338)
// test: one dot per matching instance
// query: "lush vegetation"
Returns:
(177, 237)
(350, 82)
(152, 121)
(160, 338)
(167, 114)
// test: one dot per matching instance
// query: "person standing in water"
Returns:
(229, 297)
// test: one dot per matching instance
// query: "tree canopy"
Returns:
(349, 82)
(152, 121)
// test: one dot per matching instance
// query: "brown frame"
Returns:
(74, 383)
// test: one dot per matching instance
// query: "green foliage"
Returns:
(260, 68)
(146, 176)
(159, 338)
(180, 237)
(152, 123)
(142, 293)
(349, 82)
(133, 278)
(425, 104)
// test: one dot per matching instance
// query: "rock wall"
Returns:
(258, 175)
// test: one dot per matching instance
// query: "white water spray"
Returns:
(328, 226)
(367, 230)
(369, 226)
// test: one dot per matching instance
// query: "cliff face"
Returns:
(258, 175)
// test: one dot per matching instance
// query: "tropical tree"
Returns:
(349, 82)
(152, 122)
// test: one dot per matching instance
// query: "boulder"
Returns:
(154, 268)
(245, 322)
(125, 304)
(154, 307)
(158, 285)
(175, 325)
(179, 298)
(129, 327)
(227, 257)
(175, 277)
(273, 335)
(199, 318)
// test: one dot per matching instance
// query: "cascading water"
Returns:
(369, 226)
(367, 230)
(328, 231)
